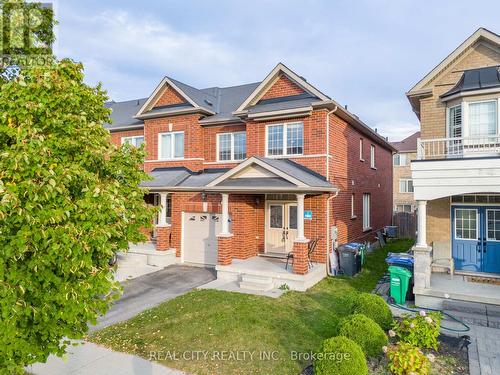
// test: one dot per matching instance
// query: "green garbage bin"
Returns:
(400, 278)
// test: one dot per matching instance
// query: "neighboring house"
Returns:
(402, 187)
(456, 176)
(257, 170)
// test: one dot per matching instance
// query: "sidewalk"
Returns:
(484, 352)
(96, 360)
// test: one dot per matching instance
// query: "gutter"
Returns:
(253, 190)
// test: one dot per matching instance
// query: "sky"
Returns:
(363, 54)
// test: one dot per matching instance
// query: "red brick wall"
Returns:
(282, 87)
(169, 96)
(351, 175)
(116, 137)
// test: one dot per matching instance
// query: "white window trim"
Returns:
(400, 154)
(465, 115)
(406, 185)
(172, 138)
(372, 157)
(367, 212)
(232, 146)
(486, 224)
(285, 132)
(131, 137)
(477, 225)
(361, 149)
(353, 211)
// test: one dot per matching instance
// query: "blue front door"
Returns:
(476, 238)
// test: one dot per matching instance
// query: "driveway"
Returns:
(150, 290)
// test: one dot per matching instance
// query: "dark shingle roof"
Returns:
(123, 113)
(476, 79)
(408, 144)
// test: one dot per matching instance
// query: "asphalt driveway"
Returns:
(150, 290)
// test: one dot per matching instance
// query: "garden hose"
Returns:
(403, 307)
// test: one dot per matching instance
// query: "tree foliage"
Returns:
(68, 200)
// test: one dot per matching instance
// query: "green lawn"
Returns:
(224, 323)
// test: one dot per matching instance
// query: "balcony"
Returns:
(456, 148)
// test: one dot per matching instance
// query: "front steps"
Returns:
(474, 313)
(255, 282)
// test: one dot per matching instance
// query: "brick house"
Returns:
(402, 187)
(456, 175)
(249, 173)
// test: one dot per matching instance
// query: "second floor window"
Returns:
(285, 139)
(135, 141)
(483, 118)
(372, 156)
(400, 160)
(455, 121)
(171, 145)
(405, 186)
(231, 146)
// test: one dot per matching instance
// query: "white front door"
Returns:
(281, 227)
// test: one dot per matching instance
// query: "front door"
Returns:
(281, 227)
(476, 238)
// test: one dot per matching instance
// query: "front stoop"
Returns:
(151, 257)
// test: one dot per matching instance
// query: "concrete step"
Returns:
(464, 306)
(263, 287)
(132, 259)
(469, 318)
(256, 282)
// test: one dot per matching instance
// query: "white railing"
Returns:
(452, 148)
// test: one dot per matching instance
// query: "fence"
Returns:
(406, 223)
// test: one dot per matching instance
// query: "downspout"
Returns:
(328, 142)
(328, 269)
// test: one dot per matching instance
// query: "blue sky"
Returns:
(365, 54)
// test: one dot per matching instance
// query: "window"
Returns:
(405, 186)
(455, 122)
(483, 118)
(157, 203)
(285, 139)
(276, 216)
(231, 146)
(465, 224)
(372, 156)
(171, 145)
(366, 212)
(135, 141)
(403, 208)
(361, 149)
(493, 217)
(400, 160)
(353, 213)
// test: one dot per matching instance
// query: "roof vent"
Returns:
(345, 106)
(208, 102)
(138, 102)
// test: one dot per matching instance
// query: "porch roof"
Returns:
(256, 174)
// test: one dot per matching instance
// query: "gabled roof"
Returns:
(479, 34)
(279, 69)
(475, 80)
(122, 114)
(409, 144)
(281, 175)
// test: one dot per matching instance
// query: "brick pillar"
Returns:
(300, 261)
(163, 237)
(224, 249)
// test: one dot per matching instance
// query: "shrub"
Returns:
(405, 359)
(340, 356)
(364, 332)
(374, 307)
(421, 331)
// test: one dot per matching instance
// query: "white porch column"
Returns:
(300, 217)
(422, 224)
(225, 214)
(162, 219)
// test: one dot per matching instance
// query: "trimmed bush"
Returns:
(374, 307)
(340, 356)
(364, 332)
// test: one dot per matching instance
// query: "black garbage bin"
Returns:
(348, 259)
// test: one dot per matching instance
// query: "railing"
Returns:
(452, 148)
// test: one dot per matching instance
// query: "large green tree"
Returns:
(68, 200)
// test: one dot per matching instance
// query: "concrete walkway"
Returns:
(93, 359)
(484, 351)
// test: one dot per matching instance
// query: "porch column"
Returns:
(300, 217)
(225, 214)
(162, 219)
(422, 224)
(163, 229)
